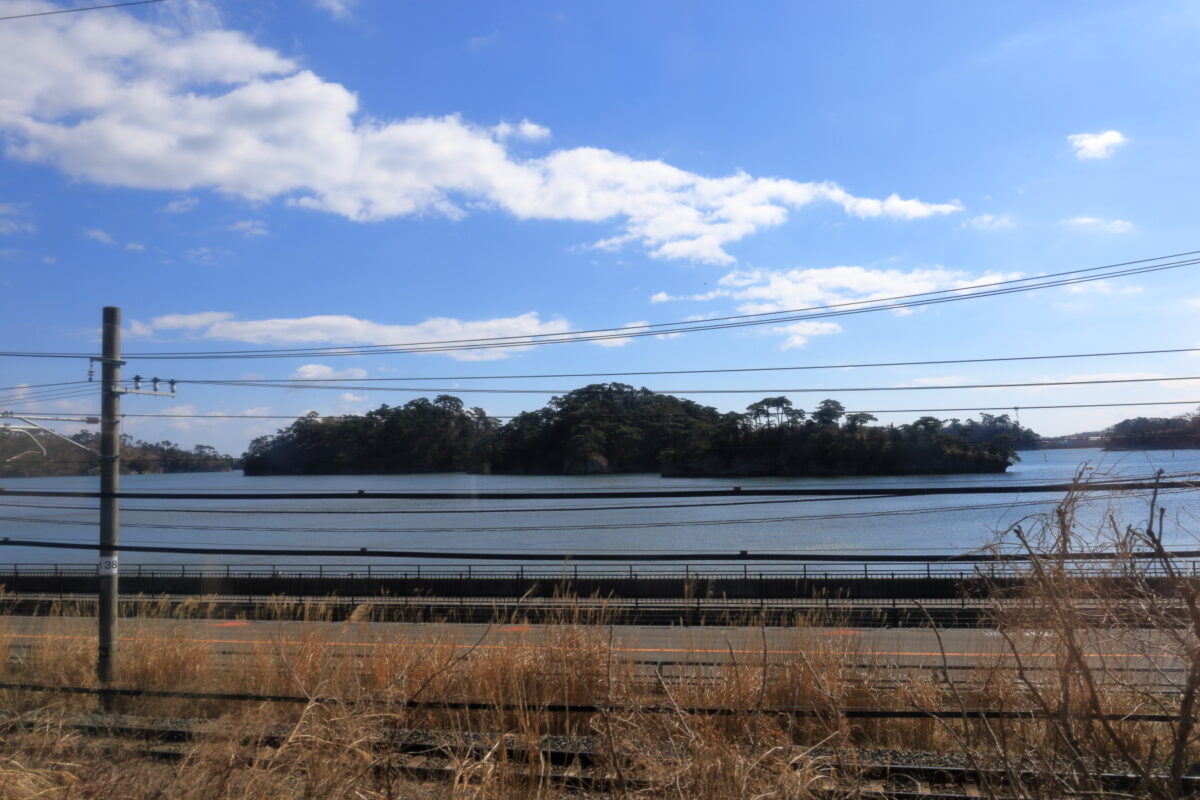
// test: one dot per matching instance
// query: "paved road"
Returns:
(884, 647)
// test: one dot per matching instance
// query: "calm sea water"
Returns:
(935, 524)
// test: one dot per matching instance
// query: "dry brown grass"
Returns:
(332, 748)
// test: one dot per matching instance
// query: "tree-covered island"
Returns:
(611, 428)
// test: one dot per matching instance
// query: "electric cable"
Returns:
(636, 494)
(508, 530)
(762, 391)
(292, 510)
(533, 340)
(995, 288)
(565, 557)
(1009, 407)
(714, 371)
(84, 8)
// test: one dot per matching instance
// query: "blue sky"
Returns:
(323, 173)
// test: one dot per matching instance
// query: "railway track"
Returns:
(577, 763)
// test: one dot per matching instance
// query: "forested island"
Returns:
(1155, 433)
(615, 428)
(20, 457)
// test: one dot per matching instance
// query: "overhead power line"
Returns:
(763, 391)
(84, 8)
(689, 326)
(632, 494)
(714, 371)
(45, 395)
(25, 386)
(292, 510)
(526, 528)
(960, 409)
(676, 557)
(968, 292)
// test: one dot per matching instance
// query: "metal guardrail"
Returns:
(849, 569)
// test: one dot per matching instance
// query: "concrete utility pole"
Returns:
(110, 484)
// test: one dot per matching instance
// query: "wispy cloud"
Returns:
(765, 291)
(249, 228)
(339, 330)
(338, 9)
(1098, 224)
(10, 226)
(989, 222)
(181, 206)
(797, 334)
(97, 235)
(311, 372)
(206, 255)
(1102, 287)
(621, 341)
(478, 43)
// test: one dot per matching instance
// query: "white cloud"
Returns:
(529, 131)
(189, 322)
(764, 291)
(104, 237)
(136, 247)
(339, 9)
(798, 333)
(1095, 223)
(621, 341)
(310, 372)
(1090, 146)
(197, 420)
(249, 228)
(180, 206)
(177, 322)
(116, 101)
(348, 399)
(989, 222)
(346, 330)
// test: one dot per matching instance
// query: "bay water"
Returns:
(850, 527)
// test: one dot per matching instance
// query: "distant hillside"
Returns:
(1155, 433)
(20, 457)
(1071, 440)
